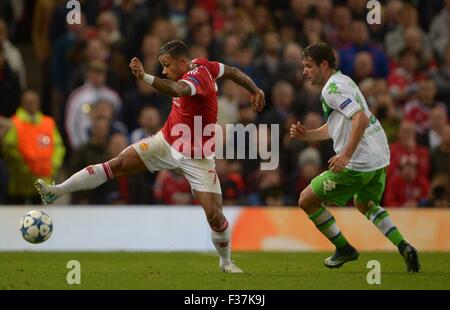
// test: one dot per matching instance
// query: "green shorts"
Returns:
(340, 187)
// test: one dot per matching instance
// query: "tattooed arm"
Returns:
(165, 86)
(240, 78)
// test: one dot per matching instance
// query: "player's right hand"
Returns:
(298, 131)
(137, 68)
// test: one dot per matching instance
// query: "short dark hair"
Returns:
(320, 52)
(174, 48)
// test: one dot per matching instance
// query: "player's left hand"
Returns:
(257, 100)
(338, 162)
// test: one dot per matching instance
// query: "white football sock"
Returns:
(88, 178)
(222, 242)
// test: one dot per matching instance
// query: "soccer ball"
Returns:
(36, 226)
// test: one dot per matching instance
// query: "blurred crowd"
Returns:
(72, 100)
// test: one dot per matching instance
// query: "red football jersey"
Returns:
(193, 113)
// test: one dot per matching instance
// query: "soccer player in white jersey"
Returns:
(358, 170)
(192, 84)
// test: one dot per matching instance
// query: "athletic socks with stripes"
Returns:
(381, 219)
(326, 223)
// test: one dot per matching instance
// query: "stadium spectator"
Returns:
(244, 27)
(108, 29)
(418, 111)
(104, 108)
(363, 67)
(402, 80)
(440, 191)
(5, 124)
(437, 121)
(282, 102)
(441, 154)
(231, 183)
(172, 188)
(384, 110)
(96, 51)
(228, 103)
(197, 16)
(230, 46)
(270, 189)
(312, 28)
(246, 64)
(65, 52)
(95, 150)
(417, 41)
(134, 20)
(163, 29)
(395, 41)
(309, 165)
(12, 55)
(119, 189)
(442, 79)
(393, 12)
(269, 62)
(138, 97)
(307, 97)
(262, 20)
(314, 120)
(290, 67)
(150, 123)
(409, 188)
(41, 28)
(407, 146)
(361, 43)
(9, 87)
(40, 39)
(32, 148)
(339, 36)
(439, 30)
(149, 50)
(77, 119)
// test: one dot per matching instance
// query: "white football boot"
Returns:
(230, 267)
(49, 193)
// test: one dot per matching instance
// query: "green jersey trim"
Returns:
(327, 110)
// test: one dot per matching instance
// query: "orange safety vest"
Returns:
(36, 144)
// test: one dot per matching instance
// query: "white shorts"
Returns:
(157, 154)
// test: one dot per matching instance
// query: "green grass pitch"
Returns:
(179, 270)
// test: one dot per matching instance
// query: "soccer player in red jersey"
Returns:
(178, 145)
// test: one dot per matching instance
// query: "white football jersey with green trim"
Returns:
(341, 98)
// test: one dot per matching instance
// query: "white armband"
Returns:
(148, 79)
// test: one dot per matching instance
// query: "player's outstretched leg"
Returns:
(326, 223)
(220, 229)
(127, 162)
(381, 219)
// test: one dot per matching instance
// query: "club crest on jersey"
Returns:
(143, 146)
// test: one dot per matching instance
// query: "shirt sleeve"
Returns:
(216, 69)
(196, 81)
(341, 100)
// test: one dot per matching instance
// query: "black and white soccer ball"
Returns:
(36, 226)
